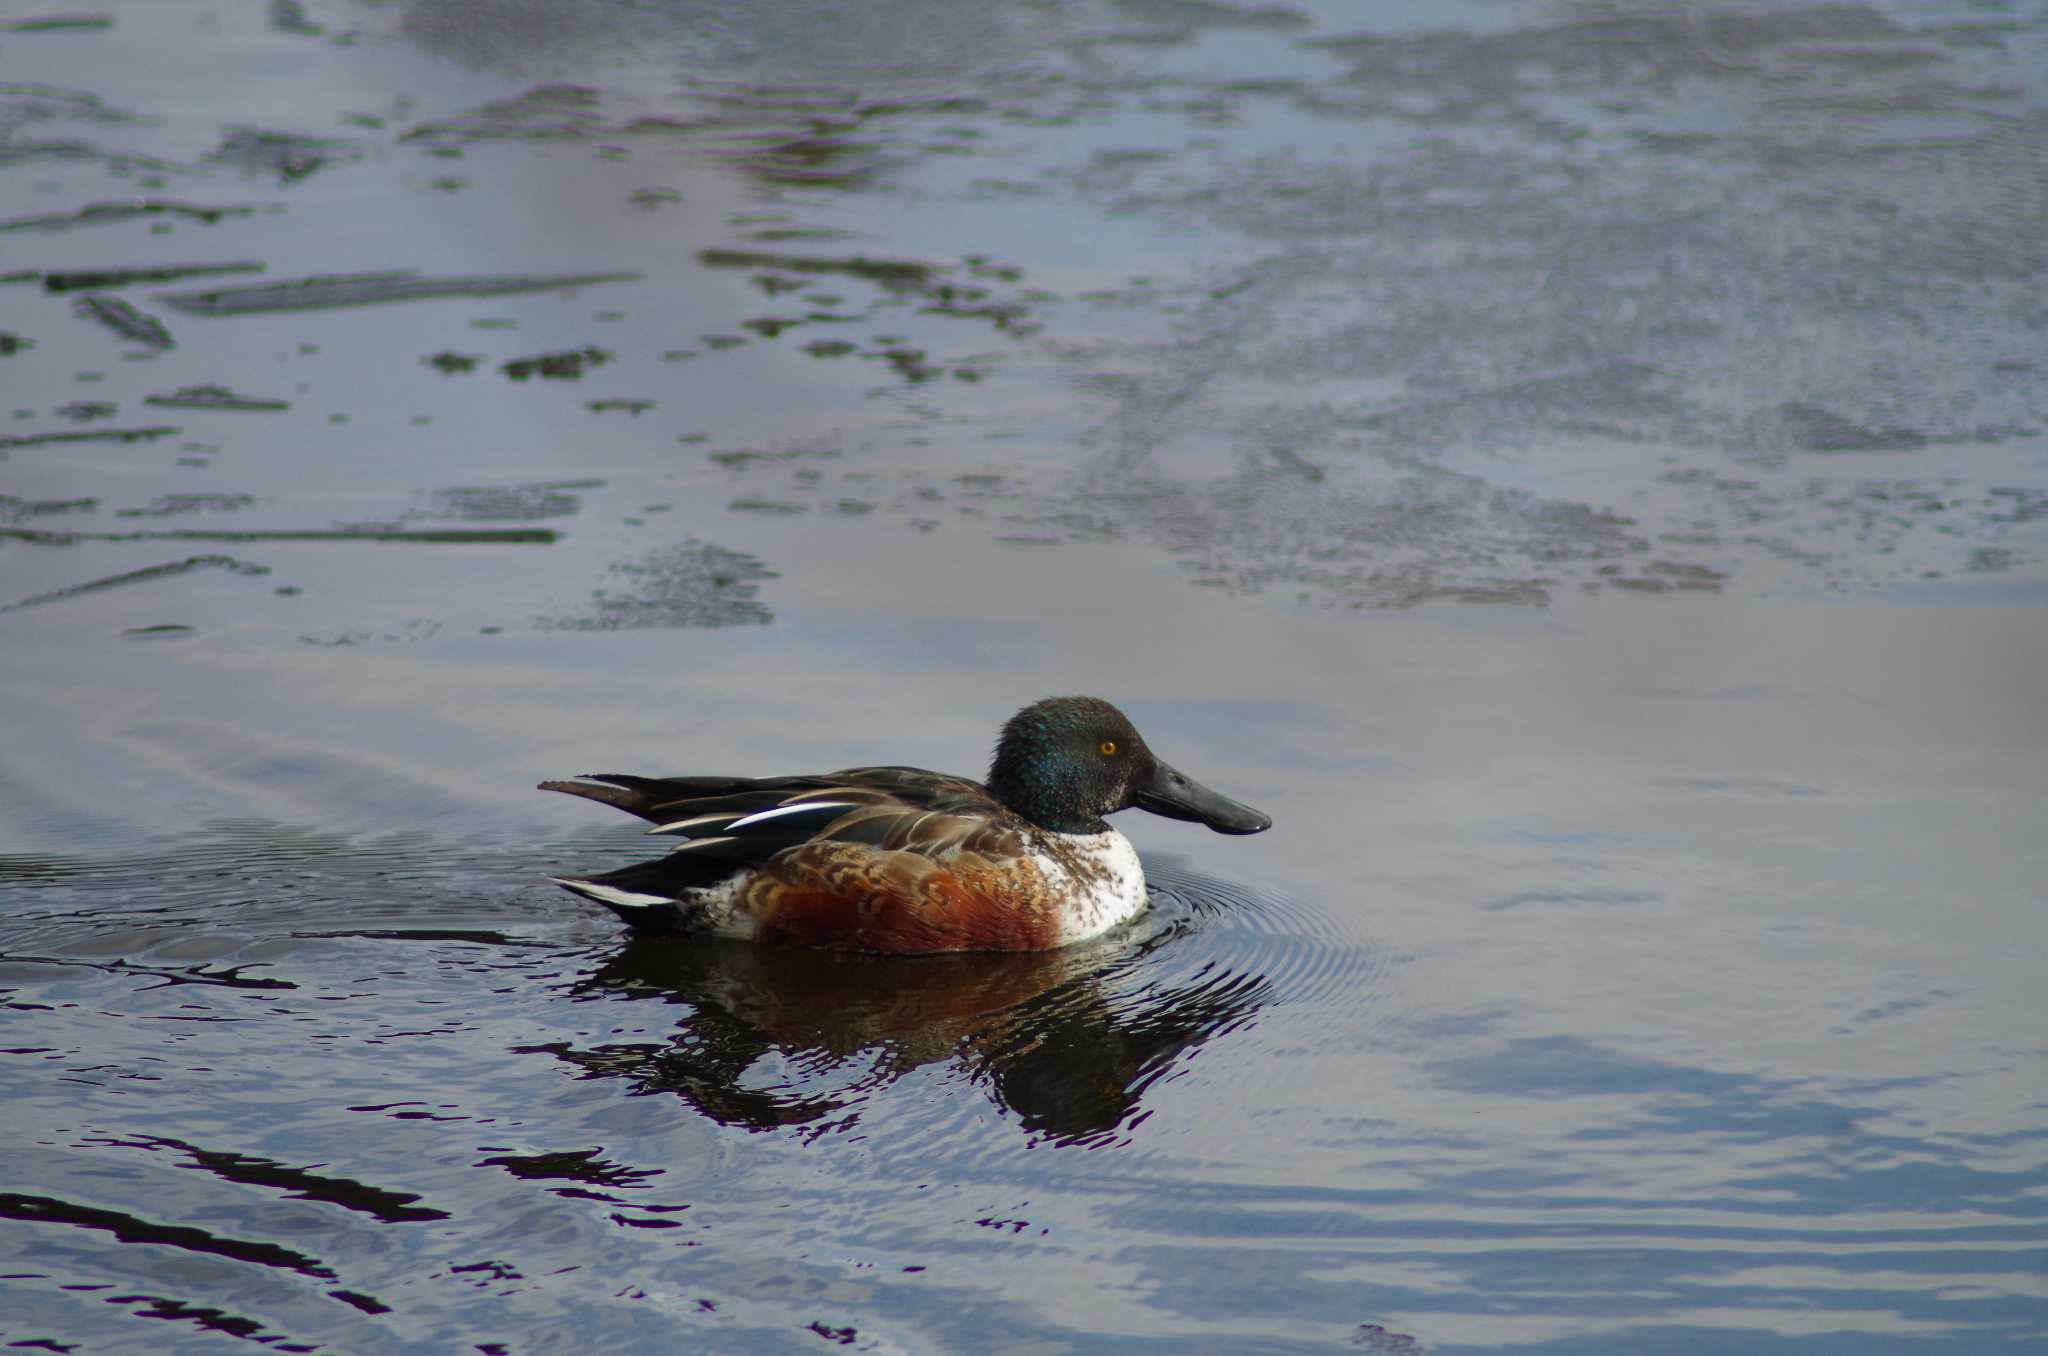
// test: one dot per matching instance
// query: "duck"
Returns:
(905, 861)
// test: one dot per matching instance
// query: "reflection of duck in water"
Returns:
(1067, 1040)
(897, 859)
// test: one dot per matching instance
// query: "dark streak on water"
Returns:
(144, 575)
(368, 289)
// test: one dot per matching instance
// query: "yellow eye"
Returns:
(1108, 747)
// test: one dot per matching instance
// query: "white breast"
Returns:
(1105, 888)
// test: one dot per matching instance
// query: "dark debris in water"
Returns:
(437, 536)
(211, 397)
(450, 363)
(14, 509)
(226, 977)
(895, 274)
(747, 456)
(692, 583)
(142, 576)
(902, 283)
(568, 365)
(169, 505)
(78, 280)
(125, 320)
(371, 289)
(59, 23)
(88, 435)
(105, 213)
(11, 344)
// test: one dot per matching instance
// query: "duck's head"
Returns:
(1065, 762)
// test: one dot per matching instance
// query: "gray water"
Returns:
(1581, 468)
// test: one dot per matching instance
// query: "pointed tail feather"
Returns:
(651, 798)
(650, 915)
(653, 897)
(633, 799)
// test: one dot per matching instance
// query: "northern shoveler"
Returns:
(898, 859)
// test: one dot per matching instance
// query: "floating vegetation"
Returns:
(80, 280)
(104, 213)
(166, 505)
(748, 456)
(451, 363)
(787, 273)
(966, 303)
(88, 435)
(124, 320)
(371, 289)
(210, 397)
(566, 366)
(898, 275)
(910, 363)
(11, 344)
(830, 348)
(435, 536)
(633, 407)
(164, 571)
(58, 23)
(84, 411)
(14, 509)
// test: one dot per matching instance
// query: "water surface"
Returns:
(1580, 468)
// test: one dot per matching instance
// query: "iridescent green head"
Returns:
(1065, 762)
